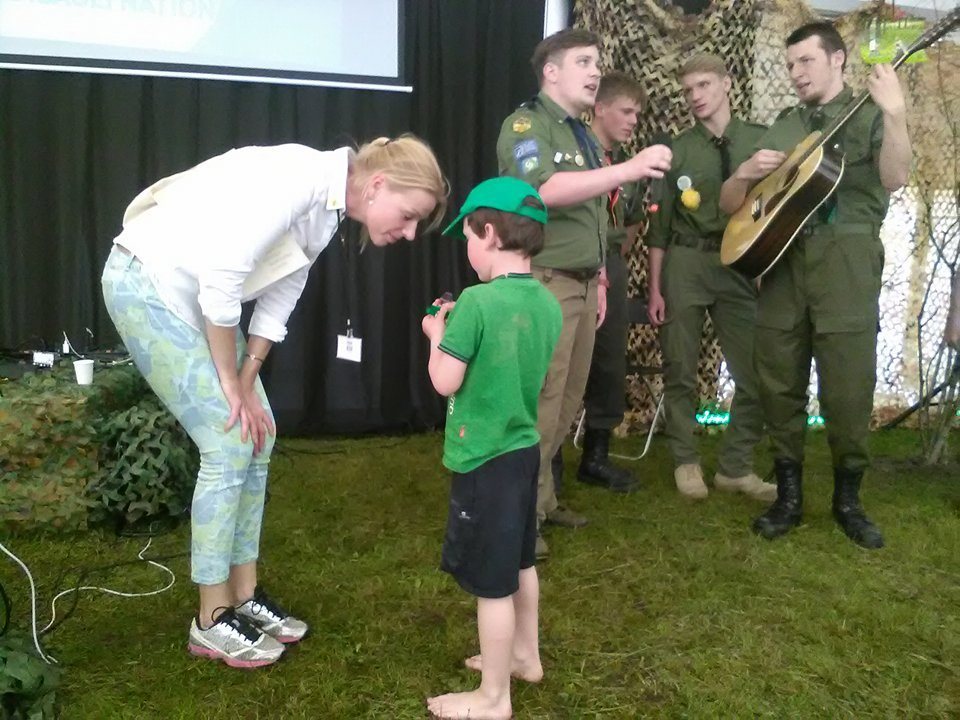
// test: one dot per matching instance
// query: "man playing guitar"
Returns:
(821, 298)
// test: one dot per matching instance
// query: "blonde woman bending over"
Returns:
(244, 226)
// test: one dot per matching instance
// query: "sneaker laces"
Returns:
(263, 603)
(238, 627)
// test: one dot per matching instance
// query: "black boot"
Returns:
(595, 466)
(787, 510)
(848, 512)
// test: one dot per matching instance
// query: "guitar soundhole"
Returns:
(784, 189)
(775, 200)
(789, 177)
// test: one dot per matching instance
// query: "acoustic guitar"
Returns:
(775, 210)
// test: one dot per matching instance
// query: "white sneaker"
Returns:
(234, 641)
(266, 615)
(690, 482)
(750, 485)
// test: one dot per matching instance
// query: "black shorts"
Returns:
(492, 524)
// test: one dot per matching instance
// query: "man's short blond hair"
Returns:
(704, 63)
(614, 85)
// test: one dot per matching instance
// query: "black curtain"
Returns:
(76, 148)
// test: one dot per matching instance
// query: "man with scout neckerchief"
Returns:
(545, 143)
(619, 102)
(821, 299)
(687, 280)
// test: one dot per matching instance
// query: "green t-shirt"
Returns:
(697, 157)
(505, 330)
(860, 197)
(536, 141)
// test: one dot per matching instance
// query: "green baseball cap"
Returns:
(500, 193)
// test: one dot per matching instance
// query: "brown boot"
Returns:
(748, 485)
(565, 517)
(689, 479)
(543, 550)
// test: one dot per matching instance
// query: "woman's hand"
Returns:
(255, 421)
(231, 391)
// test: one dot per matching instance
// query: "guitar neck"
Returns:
(840, 120)
(941, 28)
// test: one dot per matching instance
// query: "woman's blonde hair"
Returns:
(407, 163)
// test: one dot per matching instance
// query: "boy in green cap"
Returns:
(491, 359)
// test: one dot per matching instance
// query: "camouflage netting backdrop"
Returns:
(921, 232)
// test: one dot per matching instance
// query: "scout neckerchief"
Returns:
(722, 143)
(587, 148)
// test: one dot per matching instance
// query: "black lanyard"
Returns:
(350, 270)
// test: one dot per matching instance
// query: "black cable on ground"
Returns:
(7, 610)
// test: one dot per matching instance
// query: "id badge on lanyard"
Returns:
(348, 345)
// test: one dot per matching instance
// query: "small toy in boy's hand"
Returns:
(433, 309)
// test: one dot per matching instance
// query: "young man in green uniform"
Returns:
(545, 143)
(490, 359)
(687, 281)
(821, 299)
(620, 100)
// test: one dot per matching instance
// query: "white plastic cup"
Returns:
(84, 371)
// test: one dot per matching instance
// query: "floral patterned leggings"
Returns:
(227, 509)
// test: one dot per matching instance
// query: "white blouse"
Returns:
(209, 237)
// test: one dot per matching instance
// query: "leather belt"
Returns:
(707, 243)
(839, 229)
(578, 275)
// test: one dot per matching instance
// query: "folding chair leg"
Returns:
(581, 428)
(653, 427)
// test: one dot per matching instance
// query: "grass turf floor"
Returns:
(660, 608)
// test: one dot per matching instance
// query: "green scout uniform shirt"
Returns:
(860, 198)
(505, 330)
(827, 282)
(627, 210)
(535, 142)
(696, 156)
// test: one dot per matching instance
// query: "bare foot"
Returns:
(530, 671)
(469, 705)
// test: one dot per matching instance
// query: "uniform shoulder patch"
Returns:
(521, 124)
(529, 164)
(525, 149)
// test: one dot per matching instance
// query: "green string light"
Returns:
(710, 417)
